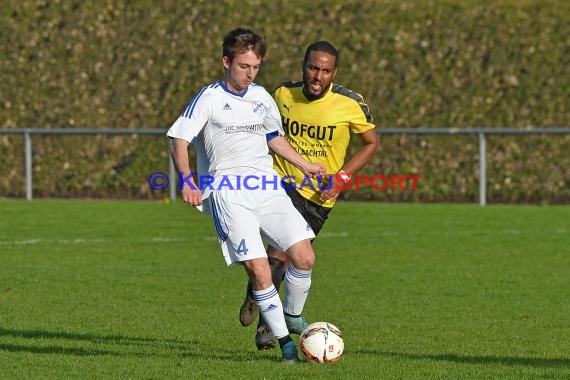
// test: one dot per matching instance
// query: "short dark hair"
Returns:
(241, 40)
(325, 46)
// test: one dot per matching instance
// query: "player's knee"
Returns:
(305, 261)
(302, 255)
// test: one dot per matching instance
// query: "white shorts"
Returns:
(244, 219)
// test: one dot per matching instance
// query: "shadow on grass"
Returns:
(42, 334)
(55, 350)
(133, 346)
(179, 347)
(477, 359)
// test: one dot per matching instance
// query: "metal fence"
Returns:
(480, 132)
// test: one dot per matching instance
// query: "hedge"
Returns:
(120, 64)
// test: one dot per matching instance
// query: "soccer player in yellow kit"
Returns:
(318, 117)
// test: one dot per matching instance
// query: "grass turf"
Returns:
(115, 289)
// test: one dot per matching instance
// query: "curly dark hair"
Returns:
(325, 46)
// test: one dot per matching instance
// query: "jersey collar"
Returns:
(240, 94)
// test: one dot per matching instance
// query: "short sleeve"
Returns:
(272, 121)
(193, 119)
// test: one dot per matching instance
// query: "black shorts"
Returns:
(314, 214)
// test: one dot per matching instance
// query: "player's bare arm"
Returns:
(179, 153)
(282, 147)
(368, 149)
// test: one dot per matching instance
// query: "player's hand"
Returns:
(313, 170)
(332, 190)
(192, 197)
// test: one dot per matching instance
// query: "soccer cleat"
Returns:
(295, 325)
(264, 339)
(289, 353)
(248, 310)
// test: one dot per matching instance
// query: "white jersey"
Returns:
(229, 132)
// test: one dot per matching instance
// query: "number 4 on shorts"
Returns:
(242, 249)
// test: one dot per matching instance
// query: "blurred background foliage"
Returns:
(424, 63)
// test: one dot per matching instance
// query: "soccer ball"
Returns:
(322, 342)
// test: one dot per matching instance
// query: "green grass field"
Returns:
(116, 289)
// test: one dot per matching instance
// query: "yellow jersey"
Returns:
(320, 131)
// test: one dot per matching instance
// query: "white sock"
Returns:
(297, 285)
(271, 309)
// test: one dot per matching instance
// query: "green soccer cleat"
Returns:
(295, 325)
(289, 353)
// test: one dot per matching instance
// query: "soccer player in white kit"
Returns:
(232, 123)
